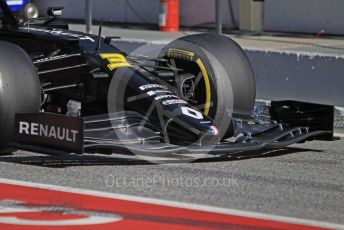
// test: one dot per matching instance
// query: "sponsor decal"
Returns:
(115, 60)
(51, 58)
(150, 86)
(151, 93)
(53, 132)
(50, 130)
(61, 33)
(157, 98)
(180, 54)
(173, 102)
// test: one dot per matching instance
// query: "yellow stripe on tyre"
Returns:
(207, 86)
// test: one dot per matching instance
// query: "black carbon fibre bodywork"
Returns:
(84, 68)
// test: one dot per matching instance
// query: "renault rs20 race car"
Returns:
(63, 91)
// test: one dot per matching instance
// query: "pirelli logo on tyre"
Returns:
(116, 60)
(180, 54)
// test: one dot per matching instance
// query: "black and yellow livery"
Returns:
(116, 60)
(197, 96)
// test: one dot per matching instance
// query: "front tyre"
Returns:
(227, 82)
(19, 88)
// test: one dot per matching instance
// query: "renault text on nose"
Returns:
(54, 132)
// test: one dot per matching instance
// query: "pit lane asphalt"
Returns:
(304, 181)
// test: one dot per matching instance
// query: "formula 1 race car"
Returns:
(65, 91)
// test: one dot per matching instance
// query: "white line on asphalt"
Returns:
(176, 204)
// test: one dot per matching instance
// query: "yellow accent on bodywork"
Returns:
(207, 86)
(115, 60)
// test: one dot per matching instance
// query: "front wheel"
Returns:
(216, 76)
(19, 88)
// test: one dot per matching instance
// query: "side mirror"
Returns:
(55, 11)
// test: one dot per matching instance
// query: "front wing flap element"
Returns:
(150, 143)
(315, 116)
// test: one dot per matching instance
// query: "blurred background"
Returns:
(295, 16)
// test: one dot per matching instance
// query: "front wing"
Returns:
(123, 133)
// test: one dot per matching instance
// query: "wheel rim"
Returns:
(203, 98)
